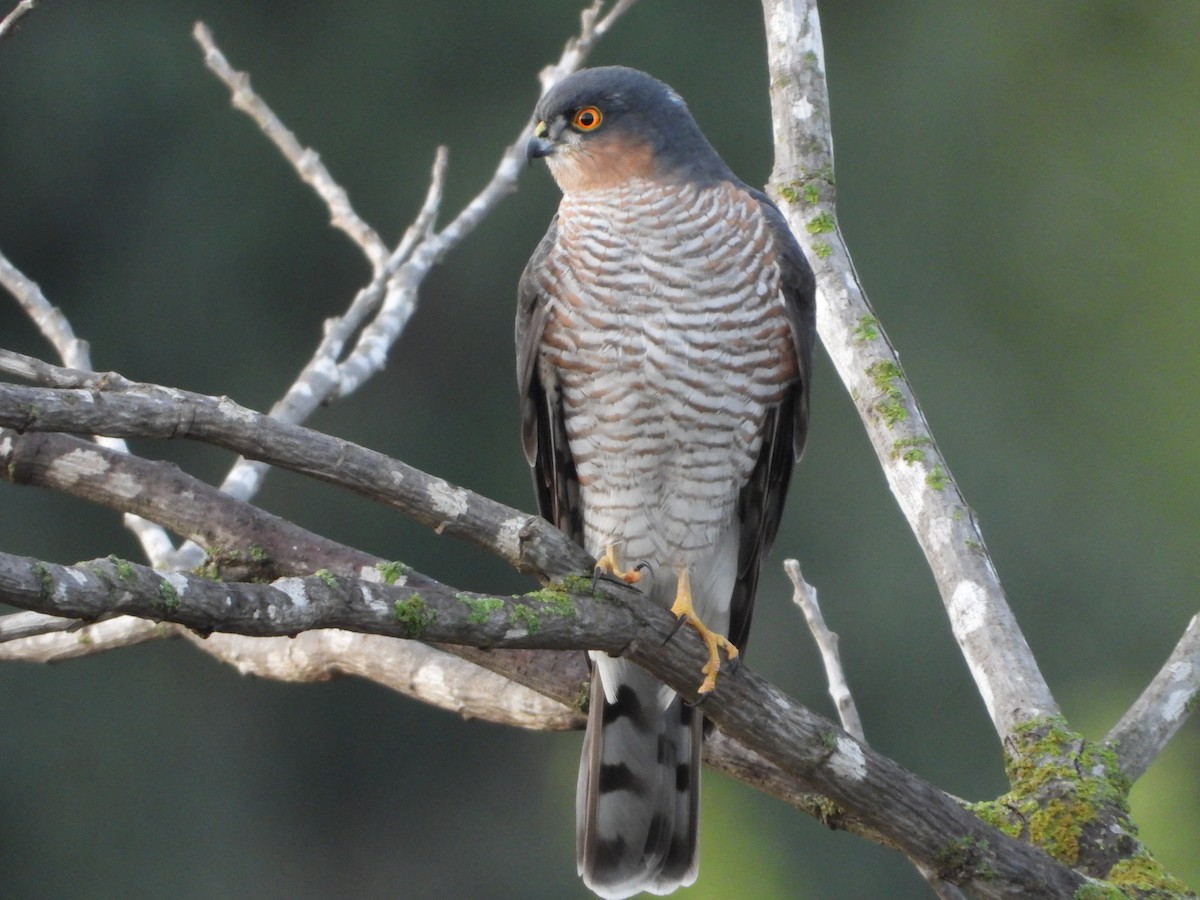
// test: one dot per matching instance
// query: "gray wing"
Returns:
(543, 432)
(760, 504)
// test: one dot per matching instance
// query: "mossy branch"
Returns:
(912, 814)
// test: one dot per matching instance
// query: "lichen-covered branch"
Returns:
(1068, 796)
(916, 817)
(996, 652)
(243, 543)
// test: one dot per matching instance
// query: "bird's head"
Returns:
(604, 127)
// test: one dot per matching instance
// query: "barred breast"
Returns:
(667, 339)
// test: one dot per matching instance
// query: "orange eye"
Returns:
(587, 119)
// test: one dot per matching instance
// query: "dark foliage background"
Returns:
(1018, 182)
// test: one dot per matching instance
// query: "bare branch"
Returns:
(305, 161)
(918, 818)
(74, 352)
(259, 545)
(385, 294)
(592, 28)
(1162, 708)
(19, 626)
(76, 641)
(48, 318)
(391, 296)
(1005, 670)
(528, 543)
(416, 670)
(804, 596)
(378, 337)
(245, 543)
(403, 608)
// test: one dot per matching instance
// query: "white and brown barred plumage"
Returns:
(664, 342)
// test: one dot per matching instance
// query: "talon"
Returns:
(685, 612)
(608, 564)
(679, 623)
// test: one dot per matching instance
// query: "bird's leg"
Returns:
(684, 610)
(608, 564)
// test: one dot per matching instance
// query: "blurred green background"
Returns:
(1020, 188)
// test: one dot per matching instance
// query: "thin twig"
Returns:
(9, 22)
(305, 161)
(381, 311)
(48, 319)
(805, 596)
(18, 626)
(378, 337)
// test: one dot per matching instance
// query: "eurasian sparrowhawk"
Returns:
(664, 344)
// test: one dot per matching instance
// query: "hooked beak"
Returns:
(540, 144)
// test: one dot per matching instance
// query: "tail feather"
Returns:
(638, 795)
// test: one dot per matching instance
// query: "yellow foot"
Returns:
(608, 563)
(685, 612)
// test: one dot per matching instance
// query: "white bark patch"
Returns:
(60, 591)
(907, 481)
(941, 533)
(968, 609)
(234, 411)
(447, 500)
(508, 537)
(1176, 705)
(372, 601)
(782, 24)
(802, 110)
(326, 368)
(376, 355)
(339, 641)
(124, 485)
(430, 680)
(968, 614)
(848, 760)
(6, 446)
(294, 588)
(79, 464)
(177, 581)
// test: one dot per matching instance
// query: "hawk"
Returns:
(664, 344)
